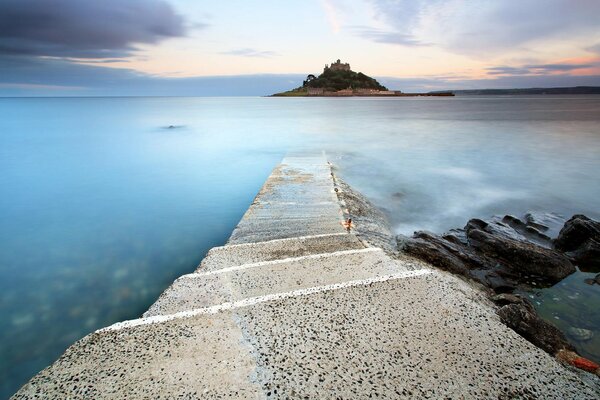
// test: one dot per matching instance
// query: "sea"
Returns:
(105, 201)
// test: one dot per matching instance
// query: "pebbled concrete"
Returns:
(297, 307)
(227, 256)
(296, 200)
(252, 280)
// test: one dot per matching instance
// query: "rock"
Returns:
(522, 318)
(580, 240)
(432, 249)
(593, 281)
(503, 299)
(528, 232)
(576, 231)
(587, 256)
(521, 257)
(499, 283)
(580, 334)
(549, 223)
(492, 253)
(447, 253)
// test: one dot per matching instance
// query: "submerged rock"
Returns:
(580, 334)
(593, 281)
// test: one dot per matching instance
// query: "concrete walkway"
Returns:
(296, 307)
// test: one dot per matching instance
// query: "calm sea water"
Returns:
(103, 205)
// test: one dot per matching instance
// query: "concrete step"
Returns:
(408, 336)
(211, 288)
(232, 255)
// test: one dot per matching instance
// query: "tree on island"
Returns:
(336, 78)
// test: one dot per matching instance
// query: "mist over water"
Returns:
(105, 201)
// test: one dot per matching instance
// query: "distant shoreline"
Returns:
(526, 91)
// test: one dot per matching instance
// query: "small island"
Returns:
(338, 80)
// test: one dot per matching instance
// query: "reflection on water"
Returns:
(106, 200)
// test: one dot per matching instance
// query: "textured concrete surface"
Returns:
(227, 256)
(259, 279)
(298, 199)
(300, 308)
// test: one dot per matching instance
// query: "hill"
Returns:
(338, 78)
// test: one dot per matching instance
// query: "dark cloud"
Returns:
(249, 52)
(536, 69)
(84, 29)
(383, 36)
(20, 76)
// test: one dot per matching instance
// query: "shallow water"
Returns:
(103, 204)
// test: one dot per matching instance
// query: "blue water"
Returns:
(103, 205)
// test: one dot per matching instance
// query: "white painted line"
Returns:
(279, 240)
(262, 299)
(280, 261)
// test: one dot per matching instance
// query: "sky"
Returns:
(208, 48)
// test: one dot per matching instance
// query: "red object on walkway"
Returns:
(585, 364)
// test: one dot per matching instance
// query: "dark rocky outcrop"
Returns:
(518, 314)
(527, 323)
(494, 253)
(580, 240)
(520, 257)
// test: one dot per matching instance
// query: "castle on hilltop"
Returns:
(337, 66)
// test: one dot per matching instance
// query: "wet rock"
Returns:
(507, 298)
(499, 283)
(580, 240)
(580, 334)
(446, 253)
(576, 232)
(549, 223)
(529, 232)
(593, 281)
(521, 257)
(523, 319)
(493, 253)
(587, 256)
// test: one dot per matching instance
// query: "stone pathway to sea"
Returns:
(298, 306)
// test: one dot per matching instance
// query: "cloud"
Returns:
(384, 36)
(21, 76)
(249, 52)
(432, 83)
(483, 28)
(331, 13)
(594, 49)
(84, 29)
(539, 69)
